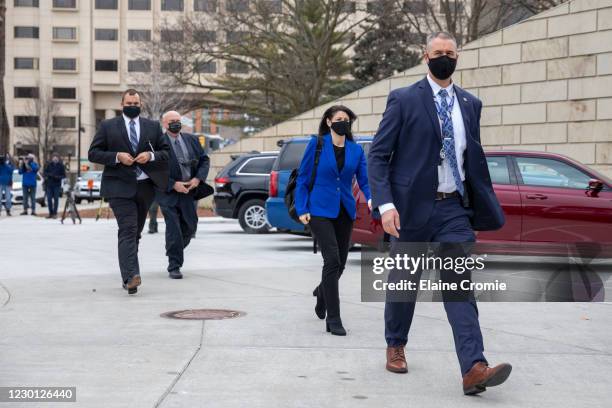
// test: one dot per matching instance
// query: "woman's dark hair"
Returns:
(329, 114)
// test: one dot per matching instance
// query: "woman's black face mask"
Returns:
(342, 127)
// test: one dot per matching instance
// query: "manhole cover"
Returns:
(203, 314)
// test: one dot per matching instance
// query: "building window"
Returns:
(348, 7)
(205, 36)
(171, 35)
(106, 4)
(237, 6)
(139, 35)
(64, 4)
(236, 67)
(64, 64)
(209, 6)
(25, 121)
(26, 92)
(106, 34)
(64, 122)
(139, 5)
(26, 32)
(235, 37)
(139, 66)
(415, 6)
(65, 33)
(64, 93)
(274, 6)
(205, 67)
(26, 3)
(169, 67)
(172, 5)
(106, 65)
(26, 63)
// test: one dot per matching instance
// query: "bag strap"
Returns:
(316, 162)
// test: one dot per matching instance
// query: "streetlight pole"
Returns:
(78, 154)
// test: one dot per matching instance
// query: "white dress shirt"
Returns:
(446, 181)
(126, 120)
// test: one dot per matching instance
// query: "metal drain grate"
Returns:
(203, 314)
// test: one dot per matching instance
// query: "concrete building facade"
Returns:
(546, 85)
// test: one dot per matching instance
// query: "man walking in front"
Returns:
(430, 182)
(135, 158)
(188, 167)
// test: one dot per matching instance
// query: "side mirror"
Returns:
(594, 187)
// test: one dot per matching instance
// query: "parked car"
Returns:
(551, 202)
(82, 190)
(17, 190)
(241, 190)
(288, 159)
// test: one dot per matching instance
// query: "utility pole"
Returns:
(4, 127)
(78, 153)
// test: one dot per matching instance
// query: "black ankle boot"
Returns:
(320, 306)
(335, 328)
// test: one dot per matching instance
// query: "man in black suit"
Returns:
(188, 167)
(135, 158)
(428, 170)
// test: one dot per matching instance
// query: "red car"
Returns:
(551, 202)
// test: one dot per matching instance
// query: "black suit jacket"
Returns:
(404, 156)
(199, 169)
(119, 180)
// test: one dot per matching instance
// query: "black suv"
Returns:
(241, 190)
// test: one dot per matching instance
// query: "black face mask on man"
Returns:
(174, 127)
(442, 67)
(342, 127)
(131, 111)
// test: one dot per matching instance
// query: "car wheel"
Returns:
(41, 202)
(77, 200)
(252, 217)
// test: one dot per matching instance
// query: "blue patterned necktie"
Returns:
(448, 140)
(134, 143)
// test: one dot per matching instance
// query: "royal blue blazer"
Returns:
(331, 188)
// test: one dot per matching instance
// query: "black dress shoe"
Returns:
(320, 306)
(176, 274)
(335, 328)
(130, 291)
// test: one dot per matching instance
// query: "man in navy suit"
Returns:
(430, 182)
(189, 167)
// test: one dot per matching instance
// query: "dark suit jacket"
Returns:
(119, 180)
(404, 156)
(168, 196)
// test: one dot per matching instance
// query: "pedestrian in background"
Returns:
(188, 167)
(28, 168)
(6, 183)
(54, 173)
(324, 199)
(153, 210)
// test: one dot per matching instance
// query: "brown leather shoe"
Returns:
(134, 282)
(396, 360)
(482, 376)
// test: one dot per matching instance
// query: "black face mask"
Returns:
(174, 127)
(442, 67)
(131, 111)
(341, 128)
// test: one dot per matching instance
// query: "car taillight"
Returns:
(273, 189)
(221, 181)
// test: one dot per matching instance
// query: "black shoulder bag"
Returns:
(292, 183)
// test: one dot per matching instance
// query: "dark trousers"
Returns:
(29, 194)
(131, 214)
(449, 223)
(53, 193)
(181, 224)
(333, 236)
(153, 210)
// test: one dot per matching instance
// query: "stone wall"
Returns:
(546, 84)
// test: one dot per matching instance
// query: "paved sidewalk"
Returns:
(65, 321)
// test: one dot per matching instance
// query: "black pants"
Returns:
(181, 224)
(333, 236)
(131, 214)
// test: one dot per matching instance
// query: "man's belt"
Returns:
(444, 196)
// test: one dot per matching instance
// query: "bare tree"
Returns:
(4, 126)
(45, 133)
(280, 58)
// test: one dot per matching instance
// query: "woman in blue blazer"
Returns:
(329, 208)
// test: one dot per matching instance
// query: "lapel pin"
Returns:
(465, 99)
